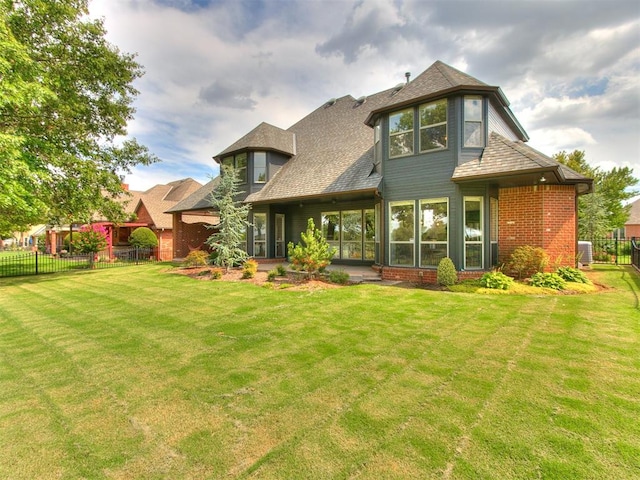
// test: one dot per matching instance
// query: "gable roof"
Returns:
(264, 136)
(507, 158)
(160, 198)
(198, 200)
(335, 153)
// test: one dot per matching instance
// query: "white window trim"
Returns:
(411, 242)
(482, 229)
(424, 127)
(435, 242)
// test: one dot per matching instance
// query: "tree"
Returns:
(228, 243)
(602, 211)
(65, 100)
(91, 239)
(313, 254)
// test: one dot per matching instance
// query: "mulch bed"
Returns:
(290, 282)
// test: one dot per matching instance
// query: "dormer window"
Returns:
(433, 126)
(401, 133)
(239, 163)
(473, 121)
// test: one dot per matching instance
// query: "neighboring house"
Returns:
(148, 209)
(432, 168)
(193, 220)
(632, 226)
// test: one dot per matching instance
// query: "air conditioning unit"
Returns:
(585, 252)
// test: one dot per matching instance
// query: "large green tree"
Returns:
(65, 100)
(228, 243)
(604, 210)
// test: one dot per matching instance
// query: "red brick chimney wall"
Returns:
(540, 216)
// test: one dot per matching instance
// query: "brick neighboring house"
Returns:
(149, 209)
(435, 167)
(632, 226)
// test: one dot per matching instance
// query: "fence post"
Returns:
(617, 251)
(137, 255)
(36, 262)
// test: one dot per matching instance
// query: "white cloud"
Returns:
(214, 71)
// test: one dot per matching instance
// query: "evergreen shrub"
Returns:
(249, 269)
(446, 274)
(527, 260)
(196, 258)
(143, 237)
(339, 276)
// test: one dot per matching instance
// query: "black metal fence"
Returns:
(635, 252)
(14, 264)
(612, 250)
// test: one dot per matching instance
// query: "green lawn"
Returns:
(135, 373)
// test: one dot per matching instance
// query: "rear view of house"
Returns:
(435, 167)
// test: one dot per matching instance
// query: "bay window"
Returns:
(401, 133)
(473, 121)
(433, 126)
(434, 238)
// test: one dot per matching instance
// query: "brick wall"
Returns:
(541, 216)
(188, 236)
(421, 275)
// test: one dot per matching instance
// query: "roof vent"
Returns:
(331, 102)
(361, 100)
(407, 75)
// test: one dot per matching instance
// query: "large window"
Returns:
(239, 163)
(259, 167)
(473, 233)
(473, 123)
(280, 240)
(351, 233)
(259, 234)
(401, 233)
(433, 126)
(401, 133)
(434, 239)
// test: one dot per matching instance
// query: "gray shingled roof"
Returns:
(264, 136)
(198, 200)
(335, 153)
(503, 157)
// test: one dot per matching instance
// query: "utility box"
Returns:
(585, 252)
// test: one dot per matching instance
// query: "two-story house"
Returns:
(435, 167)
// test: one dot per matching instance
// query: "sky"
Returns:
(215, 69)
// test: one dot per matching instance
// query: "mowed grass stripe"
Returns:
(212, 379)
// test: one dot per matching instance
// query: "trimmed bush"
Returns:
(216, 273)
(249, 269)
(446, 274)
(271, 275)
(496, 280)
(527, 260)
(143, 237)
(339, 276)
(548, 280)
(571, 274)
(196, 258)
(282, 272)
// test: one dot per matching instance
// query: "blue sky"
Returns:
(216, 69)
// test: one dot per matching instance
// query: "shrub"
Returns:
(313, 254)
(548, 280)
(446, 274)
(339, 276)
(249, 269)
(282, 272)
(496, 280)
(196, 258)
(68, 239)
(527, 260)
(203, 273)
(143, 237)
(90, 239)
(216, 273)
(571, 274)
(602, 257)
(271, 275)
